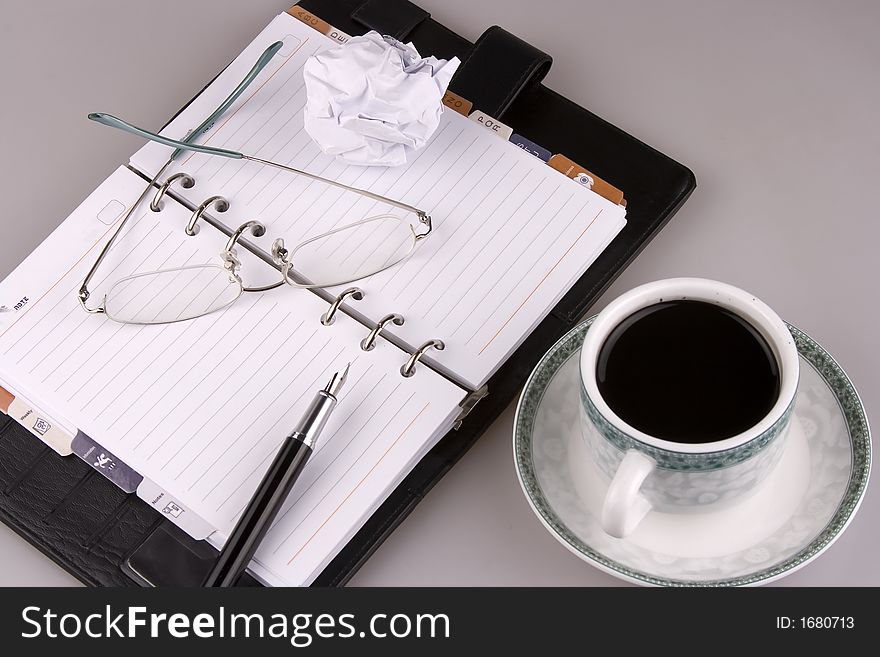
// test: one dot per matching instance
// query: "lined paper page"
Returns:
(510, 234)
(200, 407)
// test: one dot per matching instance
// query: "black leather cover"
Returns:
(395, 18)
(90, 527)
(498, 68)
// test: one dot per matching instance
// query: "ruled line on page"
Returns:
(308, 386)
(489, 265)
(172, 457)
(353, 490)
(86, 252)
(73, 308)
(503, 296)
(254, 93)
(321, 446)
(245, 357)
(541, 282)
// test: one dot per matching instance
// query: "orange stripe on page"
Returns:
(363, 479)
(540, 283)
(220, 127)
(6, 398)
(63, 276)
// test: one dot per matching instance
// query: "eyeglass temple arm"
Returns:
(205, 125)
(186, 143)
(260, 64)
(115, 122)
(421, 214)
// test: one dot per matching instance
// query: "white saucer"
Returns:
(794, 516)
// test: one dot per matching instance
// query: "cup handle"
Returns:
(624, 506)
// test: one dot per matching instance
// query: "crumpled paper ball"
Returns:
(373, 99)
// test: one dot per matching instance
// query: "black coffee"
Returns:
(688, 371)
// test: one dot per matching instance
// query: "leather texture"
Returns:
(70, 512)
(90, 527)
(498, 68)
(395, 18)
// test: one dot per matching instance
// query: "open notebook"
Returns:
(510, 233)
(191, 413)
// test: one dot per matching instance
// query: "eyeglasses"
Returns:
(342, 255)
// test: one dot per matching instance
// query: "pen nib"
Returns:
(337, 381)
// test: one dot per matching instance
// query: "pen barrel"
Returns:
(260, 512)
(313, 420)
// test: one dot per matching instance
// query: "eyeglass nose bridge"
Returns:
(220, 204)
(425, 219)
(257, 230)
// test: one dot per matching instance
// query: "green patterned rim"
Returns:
(809, 350)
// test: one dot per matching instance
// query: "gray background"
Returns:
(773, 105)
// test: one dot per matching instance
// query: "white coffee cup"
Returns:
(647, 472)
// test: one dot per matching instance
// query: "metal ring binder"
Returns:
(369, 342)
(220, 204)
(186, 181)
(409, 367)
(279, 256)
(257, 230)
(355, 293)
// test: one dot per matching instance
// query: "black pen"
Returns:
(275, 487)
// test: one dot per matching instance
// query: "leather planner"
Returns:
(106, 536)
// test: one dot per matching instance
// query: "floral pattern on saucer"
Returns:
(834, 436)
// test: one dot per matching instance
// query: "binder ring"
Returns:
(257, 230)
(329, 317)
(409, 367)
(369, 342)
(186, 181)
(220, 204)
